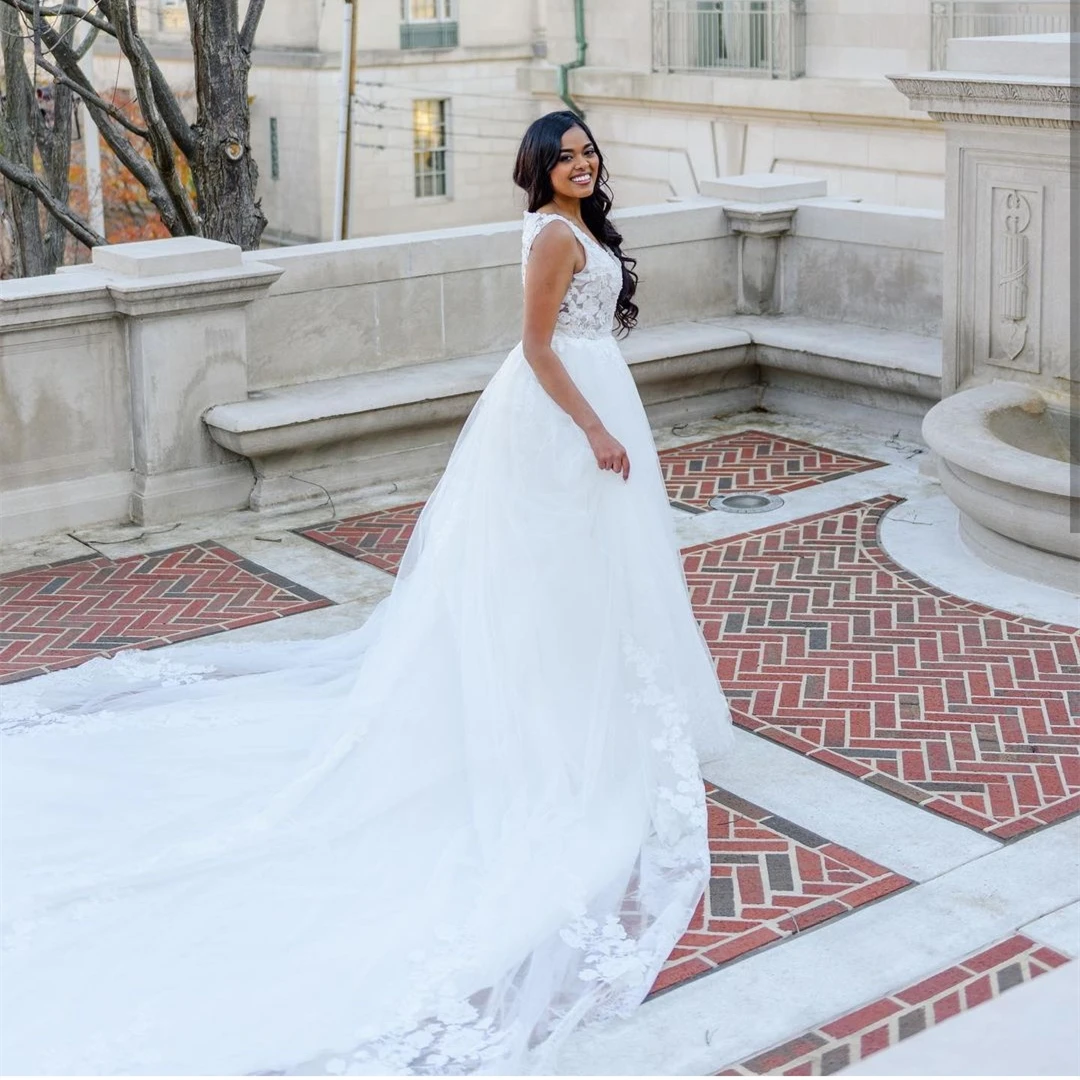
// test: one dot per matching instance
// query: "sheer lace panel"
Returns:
(588, 309)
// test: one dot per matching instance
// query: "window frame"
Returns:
(440, 151)
(446, 11)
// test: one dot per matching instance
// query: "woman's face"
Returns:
(574, 175)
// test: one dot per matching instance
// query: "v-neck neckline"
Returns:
(573, 225)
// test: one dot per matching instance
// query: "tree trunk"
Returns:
(224, 170)
(55, 150)
(17, 143)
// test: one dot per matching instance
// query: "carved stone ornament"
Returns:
(993, 101)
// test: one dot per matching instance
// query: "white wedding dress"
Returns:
(431, 846)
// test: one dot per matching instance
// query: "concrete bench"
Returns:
(843, 372)
(346, 434)
(349, 433)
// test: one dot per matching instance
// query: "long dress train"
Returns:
(430, 846)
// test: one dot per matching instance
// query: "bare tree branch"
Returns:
(160, 138)
(113, 134)
(171, 112)
(251, 24)
(29, 7)
(91, 98)
(71, 221)
(87, 42)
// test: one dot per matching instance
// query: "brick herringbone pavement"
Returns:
(827, 646)
(379, 538)
(931, 1001)
(63, 614)
(746, 461)
(770, 879)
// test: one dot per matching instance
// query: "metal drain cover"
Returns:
(745, 503)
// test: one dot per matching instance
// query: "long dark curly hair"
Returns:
(536, 157)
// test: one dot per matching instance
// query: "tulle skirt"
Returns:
(432, 846)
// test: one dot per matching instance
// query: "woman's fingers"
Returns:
(617, 463)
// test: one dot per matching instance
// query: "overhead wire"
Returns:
(456, 113)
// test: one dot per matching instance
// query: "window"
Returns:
(172, 16)
(429, 147)
(428, 24)
(275, 165)
(426, 10)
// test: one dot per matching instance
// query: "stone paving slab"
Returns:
(828, 647)
(858, 816)
(915, 1008)
(774, 994)
(63, 614)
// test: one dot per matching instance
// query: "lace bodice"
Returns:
(588, 309)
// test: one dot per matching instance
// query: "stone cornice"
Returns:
(993, 100)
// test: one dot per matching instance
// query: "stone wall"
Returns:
(107, 370)
(871, 265)
(382, 302)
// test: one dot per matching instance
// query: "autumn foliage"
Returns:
(129, 213)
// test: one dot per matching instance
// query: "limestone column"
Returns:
(185, 305)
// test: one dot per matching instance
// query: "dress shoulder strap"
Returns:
(531, 230)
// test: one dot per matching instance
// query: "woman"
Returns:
(431, 846)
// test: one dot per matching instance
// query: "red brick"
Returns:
(819, 913)
(936, 984)
(875, 890)
(979, 991)
(775, 1059)
(850, 858)
(1013, 828)
(958, 813)
(873, 1041)
(1050, 957)
(741, 945)
(861, 1018)
(686, 969)
(998, 954)
(947, 1007)
(1059, 810)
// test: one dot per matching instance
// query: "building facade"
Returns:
(677, 91)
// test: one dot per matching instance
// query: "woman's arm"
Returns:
(554, 256)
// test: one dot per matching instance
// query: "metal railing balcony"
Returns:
(991, 18)
(765, 38)
(430, 34)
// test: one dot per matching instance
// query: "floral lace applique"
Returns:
(588, 309)
(611, 955)
(28, 705)
(685, 799)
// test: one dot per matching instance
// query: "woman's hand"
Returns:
(610, 453)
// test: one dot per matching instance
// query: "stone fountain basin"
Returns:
(1004, 461)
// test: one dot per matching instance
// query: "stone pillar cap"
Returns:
(174, 255)
(764, 188)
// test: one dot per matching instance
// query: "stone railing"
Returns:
(181, 377)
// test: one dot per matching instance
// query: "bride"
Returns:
(430, 846)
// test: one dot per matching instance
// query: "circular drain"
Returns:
(746, 503)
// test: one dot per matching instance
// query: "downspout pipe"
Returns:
(565, 69)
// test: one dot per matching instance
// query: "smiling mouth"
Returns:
(585, 178)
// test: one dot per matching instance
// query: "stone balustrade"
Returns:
(129, 385)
